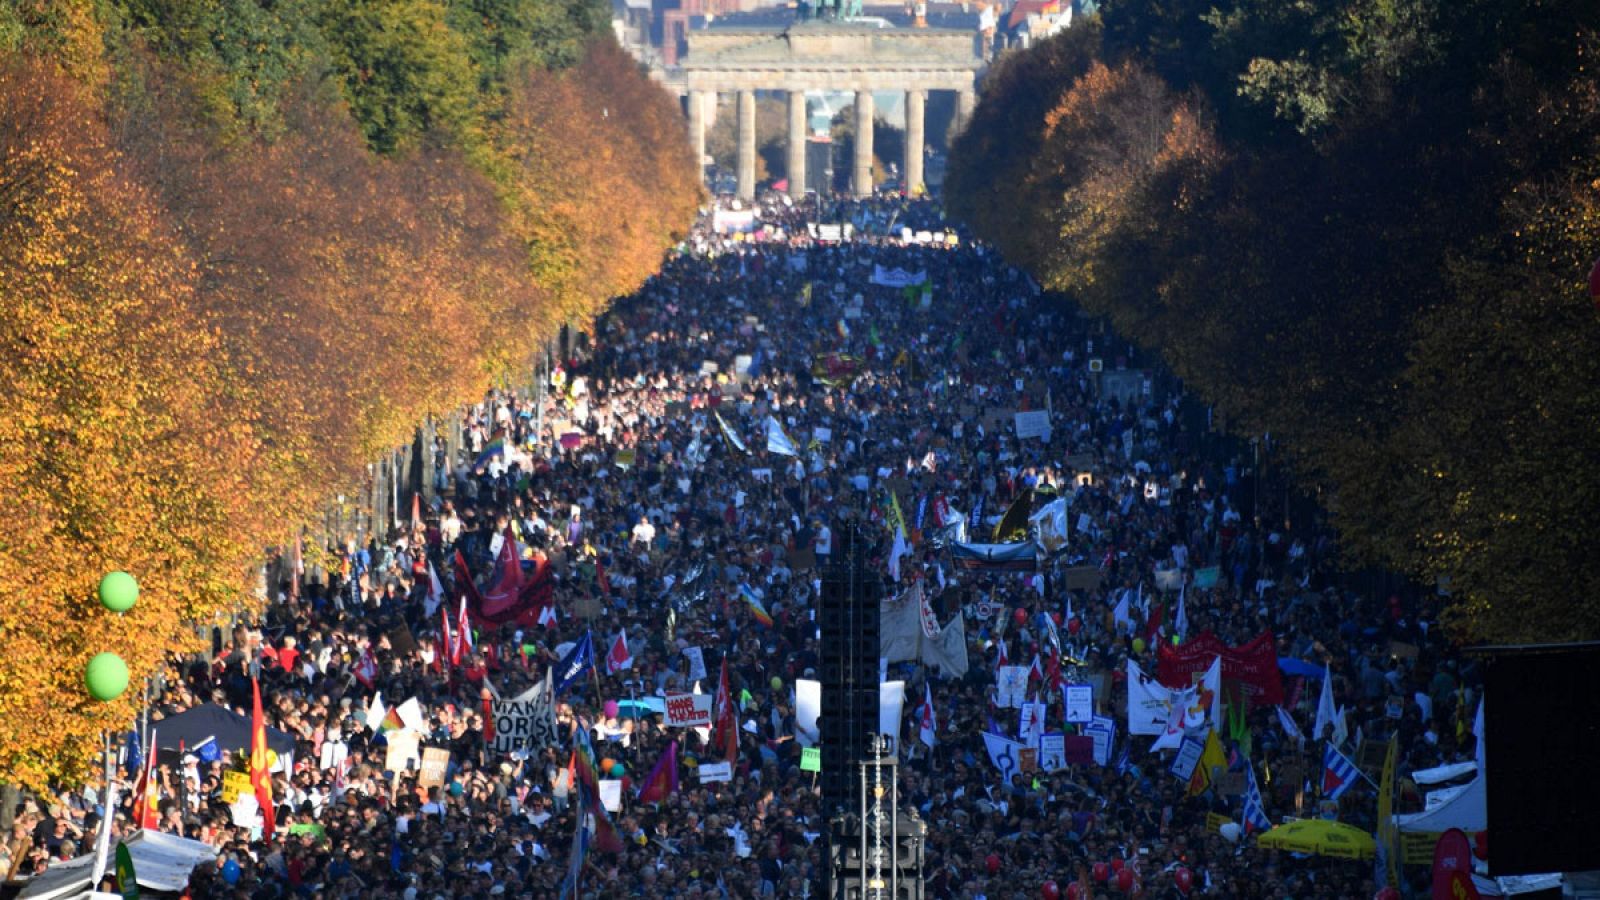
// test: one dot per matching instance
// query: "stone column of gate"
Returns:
(861, 175)
(797, 145)
(916, 106)
(697, 131)
(747, 145)
(966, 102)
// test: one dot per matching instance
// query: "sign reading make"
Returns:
(688, 710)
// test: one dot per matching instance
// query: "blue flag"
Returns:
(578, 660)
(135, 757)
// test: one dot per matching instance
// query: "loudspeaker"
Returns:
(848, 616)
(1542, 733)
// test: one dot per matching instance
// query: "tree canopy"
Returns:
(245, 247)
(1364, 229)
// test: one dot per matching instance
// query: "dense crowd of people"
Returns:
(890, 353)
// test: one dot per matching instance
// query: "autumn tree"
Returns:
(114, 453)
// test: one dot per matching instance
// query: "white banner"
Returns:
(1033, 424)
(897, 278)
(718, 771)
(1149, 702)
(807, 707)
(688, 710)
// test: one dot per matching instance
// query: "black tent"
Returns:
(231, 730)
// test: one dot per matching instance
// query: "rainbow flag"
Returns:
(758, 611)
(495, 447)
(391, 722)
(663, 778)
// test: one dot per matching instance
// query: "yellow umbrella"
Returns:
(1321, 837)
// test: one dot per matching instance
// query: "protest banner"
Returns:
(525, 724)
(1012, 683)
(1102, 732)
(1052, 752)
(1080, 578)
(611, 794)
(1188, 757)
(688, 710)
(1253, 665)
(811, 759)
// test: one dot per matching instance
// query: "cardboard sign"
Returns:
(811, 759)
(401, 640)
(404, 751)
(1080, 578)
(1028, 760)
(435, 763)
(723, 771)
(1231, 784)
(688, 710)
(232, 784)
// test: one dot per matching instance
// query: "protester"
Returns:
(889, 352)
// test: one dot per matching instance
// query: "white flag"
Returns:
(777, 441)
(901, 548)
(891, 705)
(1325, 710)
(1120, 615)
(1290, 728)
(1181, 623)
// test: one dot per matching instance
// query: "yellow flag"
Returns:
(1211, 758)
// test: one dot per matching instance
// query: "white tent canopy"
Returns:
(1468, 811)
(162, 862)
(1441, 774)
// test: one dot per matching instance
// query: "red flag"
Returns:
(602, 578)
(727, 721)
(662, 781)
(416, 509)
(618, 657)
(147, 794)
(260, 778)
(488, 713)
(463, 644)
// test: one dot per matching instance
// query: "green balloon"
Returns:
(106, 676)
(777, 683)
(1138, 645)
(1176, 641)
(118, 591)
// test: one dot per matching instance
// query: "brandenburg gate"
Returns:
(827, 56)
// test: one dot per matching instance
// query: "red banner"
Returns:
(1253, 664)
